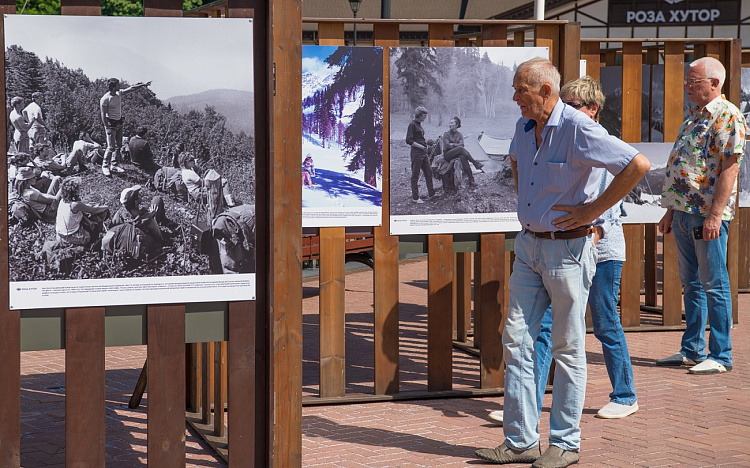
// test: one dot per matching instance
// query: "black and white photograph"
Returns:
(342, 136)
(131, 164)
(652, 102)
(452, 117)
(744, 184)
(643, 204)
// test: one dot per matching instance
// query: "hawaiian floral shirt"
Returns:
(708, 137)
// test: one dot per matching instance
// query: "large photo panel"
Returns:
(465, 183)
(131, 165)
(342, 136)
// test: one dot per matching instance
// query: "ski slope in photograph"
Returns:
(342, 124)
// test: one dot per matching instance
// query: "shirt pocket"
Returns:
(559, 177)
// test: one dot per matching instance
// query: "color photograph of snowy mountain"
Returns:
(342, 136)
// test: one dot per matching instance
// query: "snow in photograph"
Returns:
(342, 134)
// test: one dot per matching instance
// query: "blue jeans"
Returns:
(546, 273)
(706, 292)
(608, 330)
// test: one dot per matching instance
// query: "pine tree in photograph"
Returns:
(363, 138)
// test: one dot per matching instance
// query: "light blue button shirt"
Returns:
(568, 167)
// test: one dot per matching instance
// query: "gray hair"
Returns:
(540, 71)
(419, 111)
(712, 68)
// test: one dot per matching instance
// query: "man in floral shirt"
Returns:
(700, 189)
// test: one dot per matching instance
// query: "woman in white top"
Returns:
(72, 226)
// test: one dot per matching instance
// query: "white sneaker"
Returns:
(709, 366)
(496, 416)
(117, 169)
(614, 410)
(105, 171)
(418, 200)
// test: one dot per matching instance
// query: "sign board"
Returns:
(673, 12)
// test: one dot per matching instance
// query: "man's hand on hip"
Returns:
(577, 216)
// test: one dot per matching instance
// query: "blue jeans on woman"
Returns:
(706, 291)
(608, 330)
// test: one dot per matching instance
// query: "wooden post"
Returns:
(439, 312)
(570, 51)
(630, 289)
(84, 387)
(10, 320)
(332, 279)
(493, 310)
(166, 350)
(519, 39)
(463, 295)
(284, 65)
(440, 276)
(166, 380)
(220, 386)
(385, 276)
(591, 52)
(332, 313)
(249, 390)
(671, 298)
(650, 265)
(674, 72)
(548, 35)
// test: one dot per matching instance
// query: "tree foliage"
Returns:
(418, 69)
(109, 7)
(71, 105)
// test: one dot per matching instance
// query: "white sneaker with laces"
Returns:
(117, 169)
(496, 416)
(105, 171)
(614, 410)
(418, 200)
(709, 366)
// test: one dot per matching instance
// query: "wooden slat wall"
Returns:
(385, 276)
(10, 320)
(285, 224)
(590, 51)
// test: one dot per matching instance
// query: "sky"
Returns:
(180, 56)
(313, 60)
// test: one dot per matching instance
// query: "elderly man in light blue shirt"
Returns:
(557, 155)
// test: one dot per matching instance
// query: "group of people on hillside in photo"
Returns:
(45, 185)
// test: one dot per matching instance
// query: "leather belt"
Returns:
(574, 234)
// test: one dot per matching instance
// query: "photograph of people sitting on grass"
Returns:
(131, 148)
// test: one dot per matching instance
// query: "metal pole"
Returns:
(355, 28)
(539, 10)
(385, 9)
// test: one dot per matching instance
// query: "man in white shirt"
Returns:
(111, 108)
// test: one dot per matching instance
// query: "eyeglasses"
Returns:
(576, 106)
(694, 82)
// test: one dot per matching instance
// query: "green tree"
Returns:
(109, 7)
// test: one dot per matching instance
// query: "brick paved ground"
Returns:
(685, 420)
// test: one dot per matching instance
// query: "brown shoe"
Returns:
(555, 457)
(502, 454)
